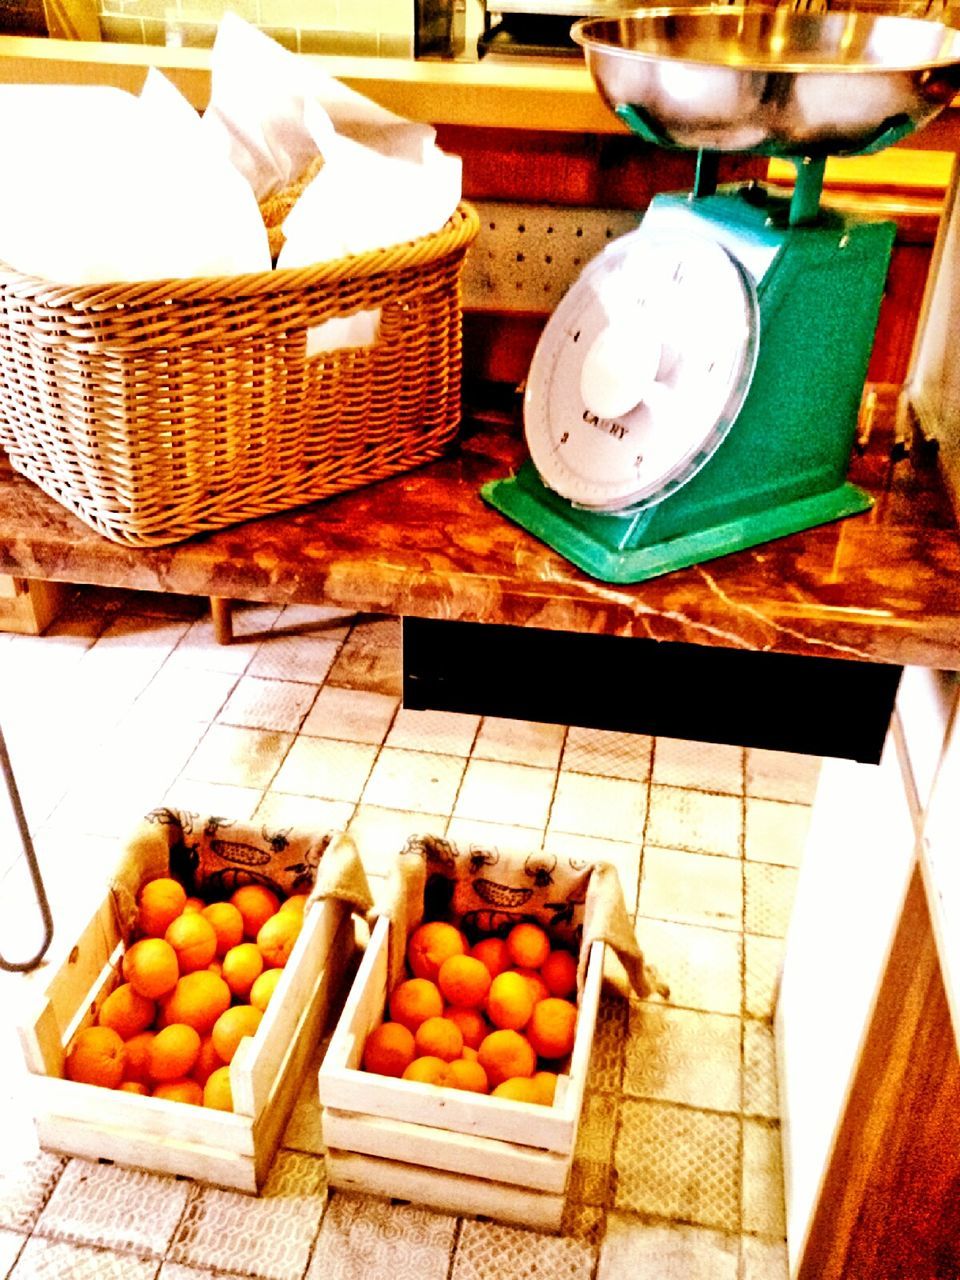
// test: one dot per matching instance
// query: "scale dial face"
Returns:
(641, 370)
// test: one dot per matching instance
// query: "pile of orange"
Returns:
(498, 1017)
(196, 981)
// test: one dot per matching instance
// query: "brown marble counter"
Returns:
(884, 586)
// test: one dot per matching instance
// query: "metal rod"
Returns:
(805, 202)
(707, 173)
(23, 966)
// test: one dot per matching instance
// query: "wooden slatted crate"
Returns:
(460, 1152)
(228, 1149)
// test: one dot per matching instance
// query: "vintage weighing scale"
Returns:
(697, 389)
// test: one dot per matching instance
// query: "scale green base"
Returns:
(783, 466)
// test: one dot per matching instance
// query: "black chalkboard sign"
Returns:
(22, 18)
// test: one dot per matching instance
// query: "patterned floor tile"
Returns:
(586, 1222)
(470, 833)
(239, 803)
(416, 781)
(587, 805)
(446, 732)
(759, 1070)
(609, 1039)
(700, 966)
(268, 1236)
(763, 1208)
(351, 715)
(517, 794)
(177, 1271)
(768, 898)
(782, 775)
(704, 766)
(311, 812)
(490, 1251)
(25, 1186)
(621, 854)
(293, 657)
(592, 1178)
(319, 620)
(238, 757)
(199, 648)
(256, 703)
(776, 831)
(360, 1237)
(691, 888)
(11, 1242)
(763, 959)
(179, 692)
(324, 768)
(635, 1250)
(607, 752)
(762, 1259)
(676, 1163)
(370, 658)
(678, 1055)
(60, 1260)
(520, 742)
(114, 1208)
(381, 834)
(695, 821)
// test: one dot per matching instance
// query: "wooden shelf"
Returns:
(882, 587)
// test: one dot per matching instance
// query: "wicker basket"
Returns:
(155, 411)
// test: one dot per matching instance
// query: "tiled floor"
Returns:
(129, 703)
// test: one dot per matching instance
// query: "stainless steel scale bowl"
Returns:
(696, 392)
(771, 79)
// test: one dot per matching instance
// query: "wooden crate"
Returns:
(464, 1153)
(28, 606)
(228, 1149)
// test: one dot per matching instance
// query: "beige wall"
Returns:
(367, 27)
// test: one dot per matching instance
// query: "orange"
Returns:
(215, 967)
(538, 988)
(467, 1075)
(151, 968)
(473, 1025)
(389, 1049)
(493, 953)
(439, 1038)
(96, 1056)
(136, 1069)
(134, 1086)
(528, 945)
(430, 945)
(172, 1052)
(276, 938)
(509, 1001)
(470, 1055)
(415, 1000)
(464, 981)
(160, 901)
(233, 1026)
(545, 1083)
(208, 1060)
(552, 1027)
(506, 1053)
(194, 904)
(559, 972)
(194, 939)
(296, 903)
(185, 1090)
(256, 904)
(242, 966)
(517, 1089)
(126, 1011)
(428, 1070)
(263, 988)
(217, 1092)
(227, 924)
(198, 1000)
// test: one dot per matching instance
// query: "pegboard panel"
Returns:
(527, 256)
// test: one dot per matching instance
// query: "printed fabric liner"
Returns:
(213, 856)
(486, 891)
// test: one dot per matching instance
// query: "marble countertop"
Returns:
(883, 586)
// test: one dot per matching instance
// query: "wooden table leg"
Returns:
(221, 611)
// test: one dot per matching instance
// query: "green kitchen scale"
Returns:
(697, 390)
